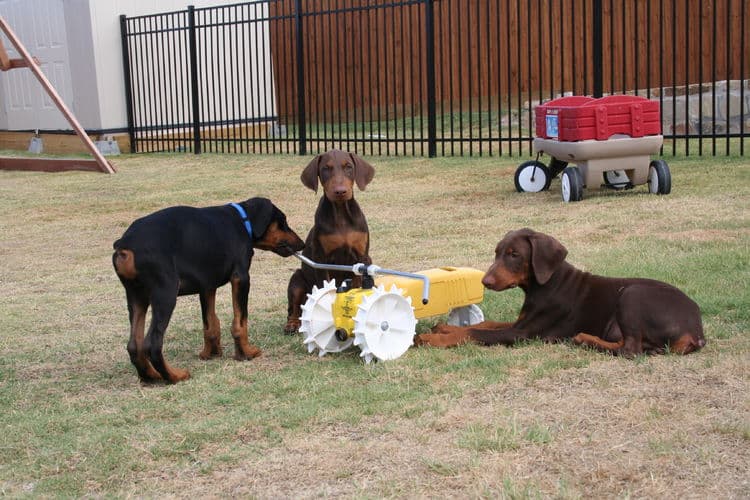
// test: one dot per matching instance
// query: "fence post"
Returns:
(596, 50)
(128, 81)
(195, 97)
(430, 56)
(301, 125)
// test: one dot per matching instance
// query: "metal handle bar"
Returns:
(372, 270)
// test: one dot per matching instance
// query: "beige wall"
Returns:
(105, 16)
(87, 71)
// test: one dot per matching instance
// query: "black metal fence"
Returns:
(428, 77)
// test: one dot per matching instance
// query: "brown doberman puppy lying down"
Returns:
(625, 316)
(339, 234)
(185, 251)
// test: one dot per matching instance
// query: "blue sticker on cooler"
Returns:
(551, 125)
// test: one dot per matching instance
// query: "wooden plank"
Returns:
(49, 164)
(103, 164)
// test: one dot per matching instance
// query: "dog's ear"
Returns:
(261, 213)
(309, 175)
(363, 171)
(546, 255)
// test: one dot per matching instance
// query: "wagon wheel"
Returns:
(384, 326)
(317, 324)
(532, 176)
(659, 178)
(571, 184)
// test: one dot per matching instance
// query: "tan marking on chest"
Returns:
(355, 240)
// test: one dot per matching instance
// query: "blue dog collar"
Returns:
(243, 214)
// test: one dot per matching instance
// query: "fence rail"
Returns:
(428, 77)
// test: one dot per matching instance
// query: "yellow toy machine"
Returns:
(380, 318)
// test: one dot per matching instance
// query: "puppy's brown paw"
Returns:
(292, 326)
(177, 375)
(247, 354)
(452, 336)
(578, 339)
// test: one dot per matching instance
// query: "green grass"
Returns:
(531, 421)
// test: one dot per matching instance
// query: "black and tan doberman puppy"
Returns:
(625, 316)
(339, 234)
(184, 251)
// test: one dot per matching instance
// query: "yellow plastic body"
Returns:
(450, 287)
(345, 307)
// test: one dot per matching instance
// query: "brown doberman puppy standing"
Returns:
(339, 234)
(625, 316)
(185, 251)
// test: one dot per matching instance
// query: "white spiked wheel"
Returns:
(384, 326)
(317, 325)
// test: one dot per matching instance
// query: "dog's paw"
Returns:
(247, 354)
(292, 326)
(430, 339)
(579, 339)
(449, 337)
(419, 341)
(177, 375)
(210, 352)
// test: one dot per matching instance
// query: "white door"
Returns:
(40, 25)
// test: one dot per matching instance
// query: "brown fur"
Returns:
(340, 234)
(624, 316)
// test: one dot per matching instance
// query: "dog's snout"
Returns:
(292, 243)
(340, 190)
(488, 281)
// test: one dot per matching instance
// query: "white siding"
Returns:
(78, 42)
(40, 26)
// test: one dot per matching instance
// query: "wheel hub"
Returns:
(385, 326)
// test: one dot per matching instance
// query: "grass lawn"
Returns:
(531, 421)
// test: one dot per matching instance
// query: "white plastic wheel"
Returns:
(659, 177)
(653, 181)
(385, 326)
(465, 316)
(318, 328)
(571, 184)
(565, 188)
(531, 177)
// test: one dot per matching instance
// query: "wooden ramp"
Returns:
(49, 164)
(98, 164)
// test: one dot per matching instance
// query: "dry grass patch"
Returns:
(531, 421)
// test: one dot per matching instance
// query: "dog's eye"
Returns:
(348, 168)
(514, 254)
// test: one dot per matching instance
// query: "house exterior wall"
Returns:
(41, 26)
(78, 45)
